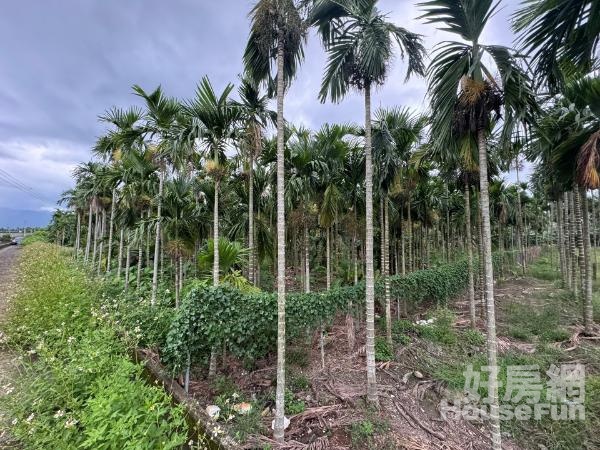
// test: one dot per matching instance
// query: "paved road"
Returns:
(8, 262)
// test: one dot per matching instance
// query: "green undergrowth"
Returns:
(77, 387)
(542, 324)
(450, 366)
(444, 353)
(370, 432)
(544, 268)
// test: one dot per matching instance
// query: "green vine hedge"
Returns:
(246, 323)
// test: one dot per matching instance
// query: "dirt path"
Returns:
(8, 259)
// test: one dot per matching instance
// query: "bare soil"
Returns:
(409, 401)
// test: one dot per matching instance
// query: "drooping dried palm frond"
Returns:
(588, 163)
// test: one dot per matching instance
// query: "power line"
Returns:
(11, 181)
(15, 180)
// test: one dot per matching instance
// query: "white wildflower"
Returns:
(70, 423)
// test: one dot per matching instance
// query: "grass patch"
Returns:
(76, 376)
(527, 323)
(370, 432)
(473, 338)
(298, 382)
(543, 269)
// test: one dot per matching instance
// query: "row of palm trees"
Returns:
(167, 167)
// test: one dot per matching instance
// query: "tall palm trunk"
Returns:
(447, 192)
(110, 229)
(102, 233)
(212, 366)
(410, 235)
(176, 264)
(96, 232)
(88, 241)
(386, 267)
(349, 318)
(382, 239)
(481, 274)
(492, 343)
(328, 257)
(593, 230)
(120, 261)
(306, 260)
(216, 235)
(148, 238)
(567, 240)
(355, 250)
(157, 237)
(181, 274)
(579, 243)
(402, 244)
(520, 242)
(369, 275)
(588, 314)
(469, 243)
(278, 429)
(139, 262)
(78, 237)
(251, 219)
(127, 265)
(573, 244)
(560, 239)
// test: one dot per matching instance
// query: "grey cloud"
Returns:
(65, 62)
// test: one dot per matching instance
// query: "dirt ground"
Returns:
(8, 261)
(409, 399)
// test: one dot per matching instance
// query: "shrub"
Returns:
(299, 382)
(293, 405)
(361, 434)
(474, 338)
(36, 236)
(440, 330)
(383, 351)
(365, 433)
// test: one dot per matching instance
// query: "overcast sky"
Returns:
(64, 62)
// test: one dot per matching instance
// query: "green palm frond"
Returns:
(451, 61)
(467, 18)
(270, 20)
(561, 37)
(359, 42)
(231, 256)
